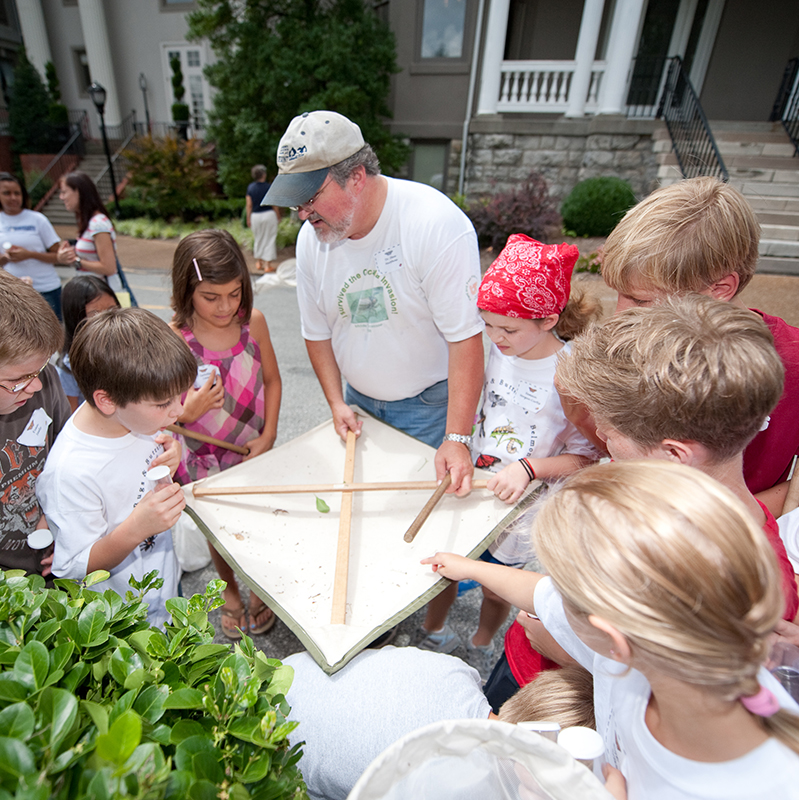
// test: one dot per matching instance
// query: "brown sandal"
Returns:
(266, 626)
(234, 631)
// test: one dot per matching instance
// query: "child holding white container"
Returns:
(521, 430)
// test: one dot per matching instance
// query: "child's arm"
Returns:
(516, 586)
(273, 388)
(156, 512)
(509, 484)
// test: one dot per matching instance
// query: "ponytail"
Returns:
(579, 313)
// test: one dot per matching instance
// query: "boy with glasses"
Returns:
(33, 409)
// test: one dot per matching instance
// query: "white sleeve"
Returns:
(789, 533)
(549, 608)
(451, 285)
(313, 320)
(47, 232)
(576, 444)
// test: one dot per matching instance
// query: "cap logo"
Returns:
(288, 153)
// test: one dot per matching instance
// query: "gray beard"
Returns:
(333, 233)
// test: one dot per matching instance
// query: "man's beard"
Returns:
(330, 234)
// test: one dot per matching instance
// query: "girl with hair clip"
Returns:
(236, 396)
(521, 430)
(83, 297)
(662, 586)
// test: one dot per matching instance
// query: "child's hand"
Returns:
(450, 566)
(66, 253)
(614, 782)
(158, 511)
(171, 455)
(509, 485)
(201, 401)
(16, 253)
(260, 445)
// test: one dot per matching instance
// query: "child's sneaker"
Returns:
(444, 641)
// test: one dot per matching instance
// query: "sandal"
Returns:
(234, 631)
(264, 627)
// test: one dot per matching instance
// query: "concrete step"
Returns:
(783, 232)
(779, 248)
(751, 188)
(786, 205)
(725, 127)
(778, 266)
(778, 218)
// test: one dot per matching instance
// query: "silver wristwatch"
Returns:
(457, 437)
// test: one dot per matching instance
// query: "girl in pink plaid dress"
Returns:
(236, 396)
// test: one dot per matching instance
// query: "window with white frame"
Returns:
(192, 62)
(443, 26)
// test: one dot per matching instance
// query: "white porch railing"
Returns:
(544, 86)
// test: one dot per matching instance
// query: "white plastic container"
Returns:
(158, 476)
(585, 745)
(40, 539)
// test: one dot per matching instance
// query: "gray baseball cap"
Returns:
(312, 143)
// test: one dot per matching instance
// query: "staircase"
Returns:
(761, 163)
(93, 164)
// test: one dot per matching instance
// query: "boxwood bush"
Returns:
(595, 206)
(96, 704)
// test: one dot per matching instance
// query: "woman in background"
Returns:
(262, 221)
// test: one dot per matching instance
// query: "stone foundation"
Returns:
(503, 152)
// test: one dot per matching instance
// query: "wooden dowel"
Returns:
(410, 535)
(339, 613)
(201, 437)
(200, 490)
(792, 497)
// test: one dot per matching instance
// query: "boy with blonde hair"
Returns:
(33, 409)
(701, 235)
(132, 370)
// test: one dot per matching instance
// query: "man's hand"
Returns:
(451, 566)
(200, 401)
(455, 458)
(158, 511)
(509, 484)
(171, 455)
(345, 420)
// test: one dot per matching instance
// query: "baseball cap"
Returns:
(312, 143)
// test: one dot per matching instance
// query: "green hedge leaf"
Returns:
(184, 698)
(122, 739)
(17, 721)
(16, 761)
(59, 708)
(91, 624)
(32, 665)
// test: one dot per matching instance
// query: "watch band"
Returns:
(457, 437)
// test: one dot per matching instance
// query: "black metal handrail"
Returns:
(45, 185)
(691, 137)
(786, 106)
(122, 134)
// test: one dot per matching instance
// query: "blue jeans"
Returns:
(424, 417)
(53, 298)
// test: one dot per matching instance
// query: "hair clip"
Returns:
(762, 704)
(197, 269)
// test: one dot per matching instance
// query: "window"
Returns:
(177, 5)
(84, 77)
(193, 58)
(443, 25)
(430, 164)
(197, 95)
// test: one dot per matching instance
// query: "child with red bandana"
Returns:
(521, 432)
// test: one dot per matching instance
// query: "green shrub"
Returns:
(95, 703)
(528, 209)
(287, 230)
(595, 206)
(134, 205)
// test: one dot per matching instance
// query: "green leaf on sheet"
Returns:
(321, 506)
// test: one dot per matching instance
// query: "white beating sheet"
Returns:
(285, 549)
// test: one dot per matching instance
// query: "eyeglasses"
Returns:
(24, 382)
(308, 204)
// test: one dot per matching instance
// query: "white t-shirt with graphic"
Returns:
(33, 231)
(89, 486)
(621, 697)
(391, 301)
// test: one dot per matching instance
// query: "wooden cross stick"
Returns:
(416, 525)
(339, 614)
(201, 437)
(199, 490)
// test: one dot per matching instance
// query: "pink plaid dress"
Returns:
(240, 419)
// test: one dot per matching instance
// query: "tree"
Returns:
(28, 109)
(278, 58)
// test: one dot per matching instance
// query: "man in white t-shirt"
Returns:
(387, 277)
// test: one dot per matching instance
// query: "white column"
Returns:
(98, 53)
(34, 33)
(584, 56)
(621, 49)
(493, 53)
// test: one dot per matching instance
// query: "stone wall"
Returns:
(503, 152)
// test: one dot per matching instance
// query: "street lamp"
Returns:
(143, 87)
(98, 94)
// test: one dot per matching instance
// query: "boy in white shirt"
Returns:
(132, 371)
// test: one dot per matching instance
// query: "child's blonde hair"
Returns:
(676, 563)
(579, 313)
(690, 369)
(219, 260)
(683, 238)
(564, 695)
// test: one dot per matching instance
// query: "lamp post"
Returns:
(143, 87)
(98, 94)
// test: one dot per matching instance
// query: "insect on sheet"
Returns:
(284, 546)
